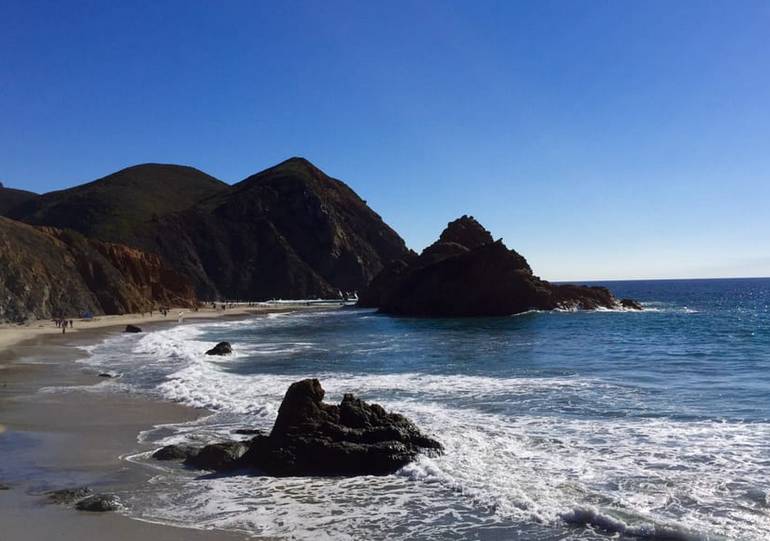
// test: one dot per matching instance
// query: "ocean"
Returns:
(558, 425)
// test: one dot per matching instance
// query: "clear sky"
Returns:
(601, 139)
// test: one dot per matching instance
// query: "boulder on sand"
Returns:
(222, 348)
(132, 328)
(354, 438)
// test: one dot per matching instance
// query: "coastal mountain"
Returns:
(47, 272)
(124, 206)
(166, 234)
(11, 198)
(467, 273)
(290, 231)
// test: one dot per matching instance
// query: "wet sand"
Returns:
(74, 437)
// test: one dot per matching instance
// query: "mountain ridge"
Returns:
(287, 231)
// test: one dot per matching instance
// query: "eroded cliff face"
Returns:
(48, 272)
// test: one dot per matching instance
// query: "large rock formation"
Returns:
(313, 438)
(47, 272)
(290, 231)
(467, 273)
(354, 438)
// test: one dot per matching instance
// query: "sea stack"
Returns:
(310, 437)
(467, 273)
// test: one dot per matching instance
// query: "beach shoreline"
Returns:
(16, 334)
(71, 438)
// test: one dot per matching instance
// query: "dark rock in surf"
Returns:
(355, 438)
(249, 432)
(99, 503)
(176, 452)
(466, 273)
(4, 486)
(218, 456)
(222, 348)
(132, 328)
(630, 304)
(68, 495)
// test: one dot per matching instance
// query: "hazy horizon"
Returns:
(601, 141)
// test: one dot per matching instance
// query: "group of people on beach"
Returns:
(63, 324)
(224, 306)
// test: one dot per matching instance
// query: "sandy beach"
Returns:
(11, 334)
(72, 438)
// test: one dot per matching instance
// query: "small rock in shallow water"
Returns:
(175, 452)
(108, 375)
(67, 495)
(249, 432)
(99, 503)
(222, 348)
(132, 328)
(4, 487)
(630, 304)
(218, 456)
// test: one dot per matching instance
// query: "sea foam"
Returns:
(518, 456)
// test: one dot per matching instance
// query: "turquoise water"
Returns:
(562, 425)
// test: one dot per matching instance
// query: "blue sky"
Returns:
(600, 139)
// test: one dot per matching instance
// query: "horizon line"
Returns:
(663, 279)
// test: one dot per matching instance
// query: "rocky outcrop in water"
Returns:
(310, 437)
(354, 438)
(176, 452)
(222, 348)
(467, 273)
(218, 456)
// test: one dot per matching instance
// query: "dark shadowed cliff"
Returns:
(289, 231)
(467, 273)
(11, 198)
(47, 272)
